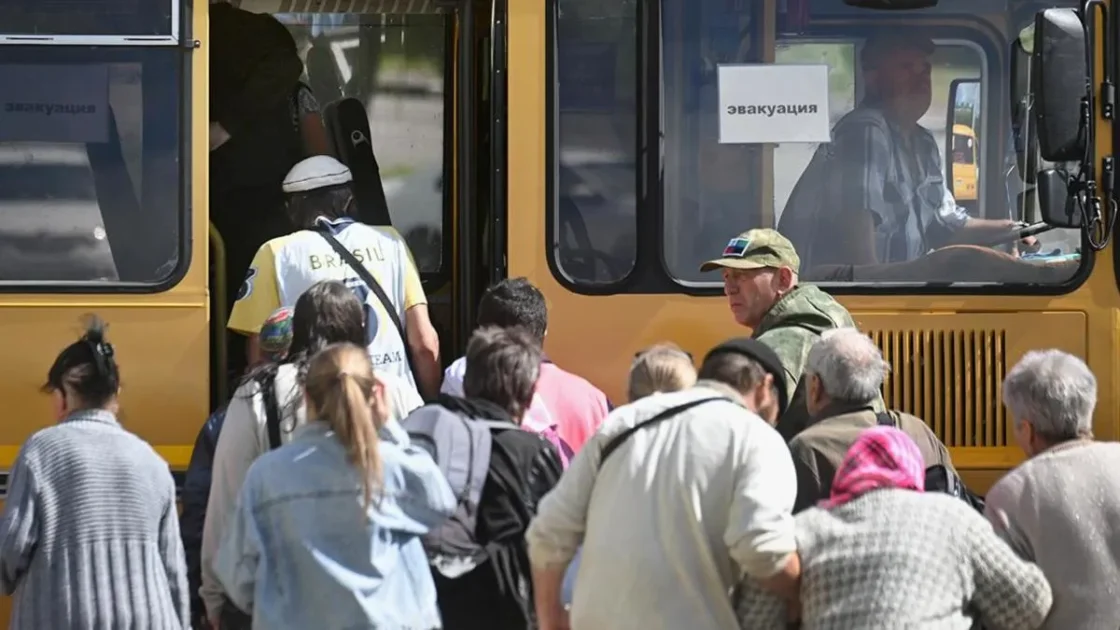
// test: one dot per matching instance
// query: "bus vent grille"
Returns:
(952, 379)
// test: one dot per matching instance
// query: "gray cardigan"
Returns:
(89, 536)
(1061, 509)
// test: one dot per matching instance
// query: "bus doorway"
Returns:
(404, 99)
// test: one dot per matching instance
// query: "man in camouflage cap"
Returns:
(760, 270)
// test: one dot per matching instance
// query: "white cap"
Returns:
(318, 171)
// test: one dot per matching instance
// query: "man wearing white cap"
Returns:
(330, 245)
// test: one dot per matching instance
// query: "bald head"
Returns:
(848, 366)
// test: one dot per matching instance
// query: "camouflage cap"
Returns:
(756, 249)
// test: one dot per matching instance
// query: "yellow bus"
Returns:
(584, 144)
(964, 169)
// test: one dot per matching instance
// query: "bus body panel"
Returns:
(949, 354)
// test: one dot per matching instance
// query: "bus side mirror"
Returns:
(1059, 79)
(1054, 201)
(962, 141)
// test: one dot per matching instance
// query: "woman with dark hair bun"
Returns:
(89, 535)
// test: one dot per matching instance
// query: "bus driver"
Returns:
(885, 171)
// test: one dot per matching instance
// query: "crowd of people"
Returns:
(349, 482)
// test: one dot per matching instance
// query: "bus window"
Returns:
(593, 210)
(396, 65)
(90, 164)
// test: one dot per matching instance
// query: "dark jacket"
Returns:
(196, 494)
(523, 468)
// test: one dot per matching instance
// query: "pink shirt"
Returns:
(567, 403)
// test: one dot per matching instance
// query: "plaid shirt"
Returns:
(903, 559)
(871, 165)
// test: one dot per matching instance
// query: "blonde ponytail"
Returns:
(340, 386)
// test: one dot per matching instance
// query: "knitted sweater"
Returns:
(893, 559)
(89, 536)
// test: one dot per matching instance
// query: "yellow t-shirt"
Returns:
(285, 267)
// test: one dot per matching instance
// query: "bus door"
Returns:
(403, 91)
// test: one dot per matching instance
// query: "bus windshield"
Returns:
(839, 134)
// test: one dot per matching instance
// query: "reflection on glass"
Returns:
(596, 179)
(395, 64)
(711, 190)
(86, 17)
(89, 164)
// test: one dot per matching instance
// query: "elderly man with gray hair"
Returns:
(1061, 508)
(845, 372)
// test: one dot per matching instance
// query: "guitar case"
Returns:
(348, 130)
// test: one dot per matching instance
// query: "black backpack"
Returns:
(938, 477)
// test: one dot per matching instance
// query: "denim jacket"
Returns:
(299, 553)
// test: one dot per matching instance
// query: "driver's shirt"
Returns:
(285, 267)
(873, 165)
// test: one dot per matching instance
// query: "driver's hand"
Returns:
(1029, 245)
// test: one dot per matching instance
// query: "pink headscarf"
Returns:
(882, 457)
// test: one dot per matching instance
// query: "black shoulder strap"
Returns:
(374, 286)
(271, 412)
(886, 419)
(619, 439)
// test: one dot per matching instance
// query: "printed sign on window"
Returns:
(773, 103)
(43, 103)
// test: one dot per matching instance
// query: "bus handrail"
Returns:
(218, 298)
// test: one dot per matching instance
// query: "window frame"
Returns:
(185, 60)
(650, 273)
(178, 31)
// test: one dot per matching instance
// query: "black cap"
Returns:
(763, 355)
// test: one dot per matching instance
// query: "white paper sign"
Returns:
(41, 103)
(770, 103)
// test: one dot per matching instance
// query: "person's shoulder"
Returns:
(806, 440)
(276, 247)
(457, 369)
(1008, 488)
(572, 382)
(861, 119)
(382, 233)
(521, 440)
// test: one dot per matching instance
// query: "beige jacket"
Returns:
(818, 450)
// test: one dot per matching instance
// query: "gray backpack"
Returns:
(460, 446)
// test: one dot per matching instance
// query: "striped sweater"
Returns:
(89, 536)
